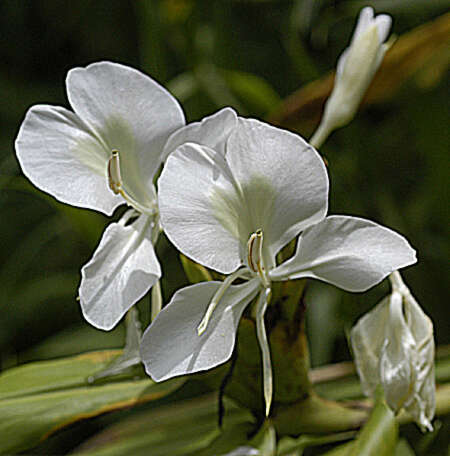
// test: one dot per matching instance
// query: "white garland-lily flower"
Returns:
(100, 155)
(393, 347)
(232, 208)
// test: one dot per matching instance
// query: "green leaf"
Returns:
(403, 449)
(178, 429)
(39, 398)
(254, 91)
(265, 440)
(379, 435)
(289, 446)
(195, 272)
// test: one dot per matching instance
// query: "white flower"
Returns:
(232, 208)
(103, 154)
(355, 70)
(393, 347)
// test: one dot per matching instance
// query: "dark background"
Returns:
(390, 164)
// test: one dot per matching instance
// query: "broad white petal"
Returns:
(130, 112)
(283, 181)
(200, 208)
(61, 156)
(171, 345)
(122, 270)
(212, 131)
(351, 253)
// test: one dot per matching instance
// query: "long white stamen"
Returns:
(261, 307)
(240, 273)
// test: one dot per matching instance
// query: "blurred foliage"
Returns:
(390, 164)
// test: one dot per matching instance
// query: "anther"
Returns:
(114, 178)
(254, 251)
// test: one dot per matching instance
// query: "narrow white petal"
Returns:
(282, 178)
(351, 253)
(422, 404)
(212, 131)
(124, 267)
(198, 203)
(131, 113)
(171, 346)
(396, 356)
(60, 155)
(265, 349)
(365, 19)
(383, 23)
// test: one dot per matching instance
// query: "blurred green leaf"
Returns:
(379, 435)
(403, 449)
(39, 398)
(180, 429)
(265, 440)
(88, 224)
(195, 272)
(183, 86)
(255, 92)
(212, 81)
(289, 446)
(73, 340)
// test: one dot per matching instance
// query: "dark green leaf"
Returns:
(39, 398)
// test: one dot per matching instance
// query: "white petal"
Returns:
(393, 347)
(282, 178)
(212, 131)
(383, 23)
(124, 267)
(171, 346)
(397, 356)
(197, 202)
(59, 154)
(130, 112)
(367, 339)
(351, 253)
(264, 347)
(422, 403)
(365, 19)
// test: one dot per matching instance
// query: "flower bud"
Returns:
(355, 70)
(393, 347)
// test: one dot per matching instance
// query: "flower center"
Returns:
(115, 184)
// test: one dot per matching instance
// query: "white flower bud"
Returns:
(393, 347)
(355, 69)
